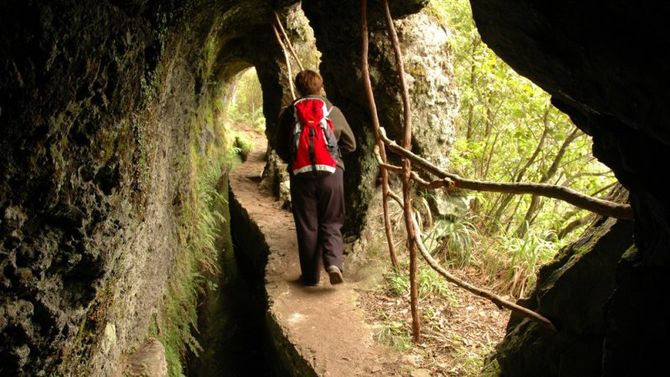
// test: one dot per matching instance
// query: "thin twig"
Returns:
(384, 165)
(500, 302)
(288, 63)
(445, 182)
(377, 129)
(599, 206)
(288, 42)
(411, 241)
(406, 104)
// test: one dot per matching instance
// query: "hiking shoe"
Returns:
(335, 275)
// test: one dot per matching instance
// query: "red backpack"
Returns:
(314, 145)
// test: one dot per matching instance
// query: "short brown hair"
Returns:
(308, 82)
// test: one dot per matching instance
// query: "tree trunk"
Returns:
(506, 199)
(535, 202)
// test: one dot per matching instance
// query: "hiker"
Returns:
(316, 170)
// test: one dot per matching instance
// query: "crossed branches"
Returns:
(443, 179)
(446, 180)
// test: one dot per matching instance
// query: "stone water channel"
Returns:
(238, 336)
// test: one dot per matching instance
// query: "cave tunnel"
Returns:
(106, 114)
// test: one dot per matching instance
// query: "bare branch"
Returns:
(599, 206)
(288, 63)
(288, 42)
(377, 129)
(406, 178)
(445, 182)
(540, 144)
(384, 165)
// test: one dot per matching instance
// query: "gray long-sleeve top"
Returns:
(343, 133)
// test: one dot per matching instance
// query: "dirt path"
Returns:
(324, 323)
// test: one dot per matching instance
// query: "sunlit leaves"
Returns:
(507, 130)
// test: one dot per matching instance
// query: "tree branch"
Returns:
(288, 63)
(406, 177)
(599, 206)
(288, 42)
(381, 148)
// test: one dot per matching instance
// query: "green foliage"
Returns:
(523, 259)
(243, 146)
(491, 368)
(397, 283)
(431, 284)
(452, 240)
(508, 131)
(471, 359)
(503, 119)
(393, 333)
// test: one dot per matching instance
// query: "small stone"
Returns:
(109, 339)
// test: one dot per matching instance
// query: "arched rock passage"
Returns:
(433, 93)
(101, 104)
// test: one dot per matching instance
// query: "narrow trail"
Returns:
(323, 323)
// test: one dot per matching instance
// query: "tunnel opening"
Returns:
(243, 112)
(245, 108)
(479, 150)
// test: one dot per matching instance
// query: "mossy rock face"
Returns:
(98, 117)
(243, 146)
(68, 163)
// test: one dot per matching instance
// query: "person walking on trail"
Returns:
(311, 138)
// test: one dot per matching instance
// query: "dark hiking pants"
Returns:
(318, 211)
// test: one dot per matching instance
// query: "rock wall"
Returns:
(104, 110)
(337, 29)
(594, 59)
(573, 291)
(88, 187)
